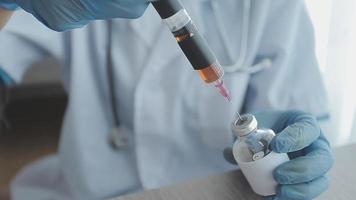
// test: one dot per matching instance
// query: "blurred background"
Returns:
(335, 32)
(35, 107)
(33, 113)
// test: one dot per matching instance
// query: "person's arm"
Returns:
(4, 17)
(70, 14)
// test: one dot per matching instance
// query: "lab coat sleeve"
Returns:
(294, 80)
(23, 42)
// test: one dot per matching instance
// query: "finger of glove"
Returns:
(10, 5)
(229, 156)
(302, 191)
(58, 15)
(302, 130)
(306, 168)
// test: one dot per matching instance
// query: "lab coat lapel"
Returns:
(163, 52)
(240, 36)
(159, 40)
(230, 30)
(146, 26)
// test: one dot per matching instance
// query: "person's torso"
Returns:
(178, 126)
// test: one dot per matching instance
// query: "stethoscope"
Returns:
(118, 137)
(239, 65)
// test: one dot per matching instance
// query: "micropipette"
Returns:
(192, 43)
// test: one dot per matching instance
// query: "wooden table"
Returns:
(233, 186)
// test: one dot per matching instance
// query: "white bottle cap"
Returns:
(244, 125)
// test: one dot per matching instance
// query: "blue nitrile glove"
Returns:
(299, 135)
(8, 4)
(5, 79)
(62, 15)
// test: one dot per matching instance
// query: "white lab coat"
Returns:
(177, 126)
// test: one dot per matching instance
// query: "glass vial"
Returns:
(252, 153)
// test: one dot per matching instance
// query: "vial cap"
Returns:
(244, 126)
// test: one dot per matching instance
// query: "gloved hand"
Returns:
(303, 177)
(62, 15)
